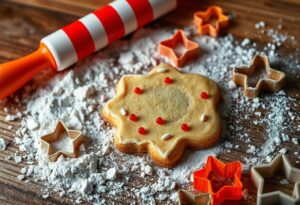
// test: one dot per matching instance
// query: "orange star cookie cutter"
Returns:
(167, 48)
(207, 24)
(273, 81)
(76, 137)
(279, 164)
(202, 181)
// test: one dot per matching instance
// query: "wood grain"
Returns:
(24, 23)
(77, 8)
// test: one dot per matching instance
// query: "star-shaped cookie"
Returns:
(272, 80)
(210, 21)
(62, 142)
(280, 164)
(163, 113)
(193, 198)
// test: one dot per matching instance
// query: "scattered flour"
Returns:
(3, 144)
(10, 118)
(17, 159)
(32, 124)
(111, 174)
(64, 143)
(260, 24)
(21, 177)
(76, 96)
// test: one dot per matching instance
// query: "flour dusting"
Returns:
(3, 144)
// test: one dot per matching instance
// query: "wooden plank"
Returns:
(263, 7)
(248, 12)
(77, 8)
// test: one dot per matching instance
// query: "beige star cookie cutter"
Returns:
(272, 82)
(163, 113)
(76, 138)
(279, 163)
(193, 198)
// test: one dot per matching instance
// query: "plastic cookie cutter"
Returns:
(271, 79)
(211, 21)
(218, 173)
(279, 165)
(193, 198)
(179, 48)
(62, 142)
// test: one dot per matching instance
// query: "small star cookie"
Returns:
(163, 113)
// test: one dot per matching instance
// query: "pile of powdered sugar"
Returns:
(76, 97)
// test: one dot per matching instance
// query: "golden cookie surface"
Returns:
(163, 113)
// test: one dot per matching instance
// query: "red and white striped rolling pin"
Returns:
(74, 42)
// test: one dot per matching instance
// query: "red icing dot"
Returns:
(185, 127)
(168, 80)
(160, 121)
(133, 117)
(138, 90)
(142, 131)
(204, 95)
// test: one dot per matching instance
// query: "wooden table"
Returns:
(24, 23)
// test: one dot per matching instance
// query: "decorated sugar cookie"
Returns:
(163, 113)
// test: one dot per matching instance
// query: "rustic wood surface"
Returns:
(24, 23)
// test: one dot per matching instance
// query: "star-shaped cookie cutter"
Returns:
(272, 82)
(76, 137)
(193, 198)
(260, 172)
(167, 48)
(201, 20)
(225, 170)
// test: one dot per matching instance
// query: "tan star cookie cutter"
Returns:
(163, 113)
(260, 172)
(76, 137)
(193, 198)
(272, 82)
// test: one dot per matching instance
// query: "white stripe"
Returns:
(96, 29)
(127, 15)
(61, 48)
(161, 7)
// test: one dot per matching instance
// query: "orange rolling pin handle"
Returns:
(16, 73)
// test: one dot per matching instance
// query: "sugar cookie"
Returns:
(166, 112)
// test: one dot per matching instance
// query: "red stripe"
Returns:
(80, 38)
(142, 10)
(112, 22)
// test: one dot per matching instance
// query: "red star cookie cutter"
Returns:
(202, 181)
(168, 48)
(207, 24)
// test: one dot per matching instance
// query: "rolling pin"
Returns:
(81, 38)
